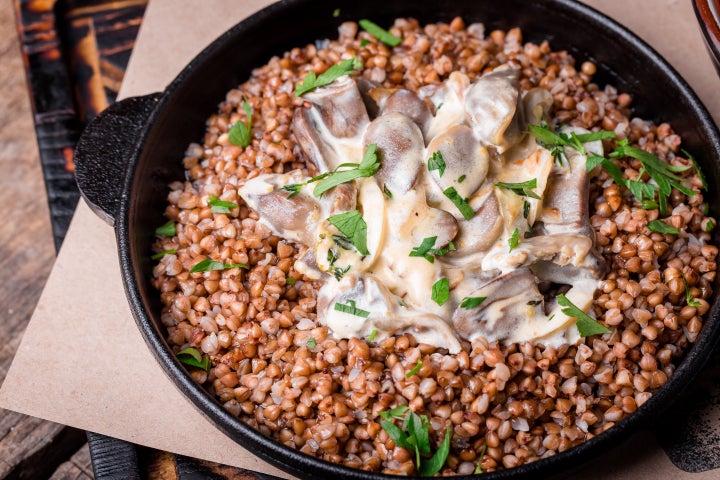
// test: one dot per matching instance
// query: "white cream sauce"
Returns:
(395, 288)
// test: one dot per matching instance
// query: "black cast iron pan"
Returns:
(131, 152)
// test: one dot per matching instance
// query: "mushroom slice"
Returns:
(466, 160)
(368, 90)
(494, 105)
(448, 99)
(319, 151)
(480, 232)
(341, 107)
(400, 145)
(357, 305)
(512, 301)
(306, 264)
(409, 104)
(287, 216)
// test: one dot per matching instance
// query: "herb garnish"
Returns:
(343, 242)
(241, 133)
(167, 230)
(427, 251)
(162, 254)
(526, 209)
(373, 334)
(352, 309)
(192, 356)
(688, 296)
(339, 272)
(311, 343)
(649, 205)
(700, 175)
(312, 81)
(459, 202)
(556, 142)
(585, 324)
(209, 264)
(387, 192)
(415, 369)
(379, 33)
(220, 206)
(461, 178)
(352, 225)
(290, 281)
(661, 172)
(415, 436)
(437, 162)
(659, 226)
(478, 467)
(471, 302)
(336, 12)
(522, 188)
(514, 239)
(440, 291)
(366, 168)
(709, 225)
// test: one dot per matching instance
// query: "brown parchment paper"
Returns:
(82, 361)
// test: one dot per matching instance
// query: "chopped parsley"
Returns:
(526, 209)
(427, 251)
(556, 142)
(659, 226)
(514, 239)
(364, 42)
(461, 178)
(240, 133)
(523, 189)
(312, 81)
(352, 225)
(437, 162)
(373, 334)
(397, 412)
(192, 356)
(461, 203)
(290, 281)
(159, 255)
(336, 12)
(697, 168)
(343, 242)
(380, 33)
(688, 296)
(339, 272)
(709, 225)
(440, 291)
(478, 467)
(352, 309)
(415, 369)
(220, 206)
(293, 188)
(167, 230)
(311, 343)
(585, 324)
(471, 302)
(387, 192)
(367, 167)
(209, 264)
(415, 436)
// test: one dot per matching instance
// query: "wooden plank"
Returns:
(79, 467)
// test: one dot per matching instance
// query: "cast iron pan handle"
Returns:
(104, 149)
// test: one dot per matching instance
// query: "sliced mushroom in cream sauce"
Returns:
(479, 129)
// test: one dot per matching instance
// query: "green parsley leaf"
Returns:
(593, 161)
(461, 203)
(514, 239)
(556, 142)
(526, 209)
(352, 309)
(586, 325)
(435, 464)
(471, 302)
(364, 42)
(366, 168)
(641, 190)
(427, 251)
(311, 81)
(659, 226)
(440, 291)
(594, 136)
(311, 343)
(159, 255)
(522, 188)
(481, 455)
(290, 281)
(219, 206)
(688, 296)
(415, 369)
(461, 178)
(209, 264)
(709, 225)
(192, 356)
(387, 192)
(167, 230)
(352, 225)
(240, 133)
(437, 162)
(293, 188)
(373, 334)
(379, 33)
(649, 205)
(343, 242)
(396, 435)
(397, 412)
(697, 168)
(339, 272)
(336, 12)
